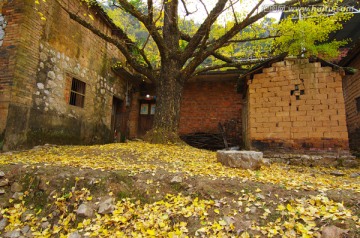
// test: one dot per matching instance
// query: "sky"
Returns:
(240, 6)
(199, 12)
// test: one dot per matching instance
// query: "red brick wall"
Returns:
(205, 104)
(13, 16)
(351, 85)
(297, 105)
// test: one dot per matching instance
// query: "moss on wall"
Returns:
(53, 136)
(16, 127)
(2, 137)
(56, 129)
(53, 128)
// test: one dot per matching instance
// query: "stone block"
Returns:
(240, 159)
(351, 163)
(2, 34)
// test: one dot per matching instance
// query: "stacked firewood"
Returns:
(206, 141)
(229, 136)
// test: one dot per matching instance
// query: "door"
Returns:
(119, 120)
(146, 116)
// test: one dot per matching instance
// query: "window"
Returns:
(144, 109)
(77, 94)
(358, 104)
(152, 109)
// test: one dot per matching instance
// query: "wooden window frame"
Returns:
(77, 93)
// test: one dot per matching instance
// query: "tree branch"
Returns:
(145, 43)
(222, 57)
(148, 23)
(233, 11)
(122, 45)
(203, 29)
(220, 42)
(207, 12)
(252, 39)
(186, 10)
(217, 55)
(171, 32)
(150, 10)
(229, 65)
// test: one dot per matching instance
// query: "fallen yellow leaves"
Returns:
(298, 217)
(179, 215)
(132, 219)
(165, 218)
(139, 157)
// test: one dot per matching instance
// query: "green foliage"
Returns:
(137, 32)
(310, 35)
(261, 39)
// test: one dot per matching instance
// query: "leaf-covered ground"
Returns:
(170, 191)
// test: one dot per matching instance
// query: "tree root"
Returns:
(162, 136)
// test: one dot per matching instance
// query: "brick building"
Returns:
(208, 99)
(56, 82)
(351, 84)
(296, 105)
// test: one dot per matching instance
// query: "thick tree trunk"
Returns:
(169, 86)
(169, 93)
(168, 99)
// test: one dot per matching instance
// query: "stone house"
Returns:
(56, 81)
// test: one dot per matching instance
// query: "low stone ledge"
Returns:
(326, 160)
(240, 159)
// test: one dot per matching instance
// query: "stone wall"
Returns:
(50, 53)
(3, 24)
(206, 103)
(296, 105)
(351, 85)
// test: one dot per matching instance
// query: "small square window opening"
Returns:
(77, 94)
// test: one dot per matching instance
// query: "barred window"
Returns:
(358, 104)
(77, 94)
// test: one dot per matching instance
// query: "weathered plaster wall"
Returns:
(50, 54)
(297, 105)
(351, 93)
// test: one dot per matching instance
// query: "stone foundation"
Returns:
(326, 160)
(3, 24)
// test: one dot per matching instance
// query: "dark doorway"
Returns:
(146, 116)
(119, 118)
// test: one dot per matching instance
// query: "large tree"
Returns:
(181, 51)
